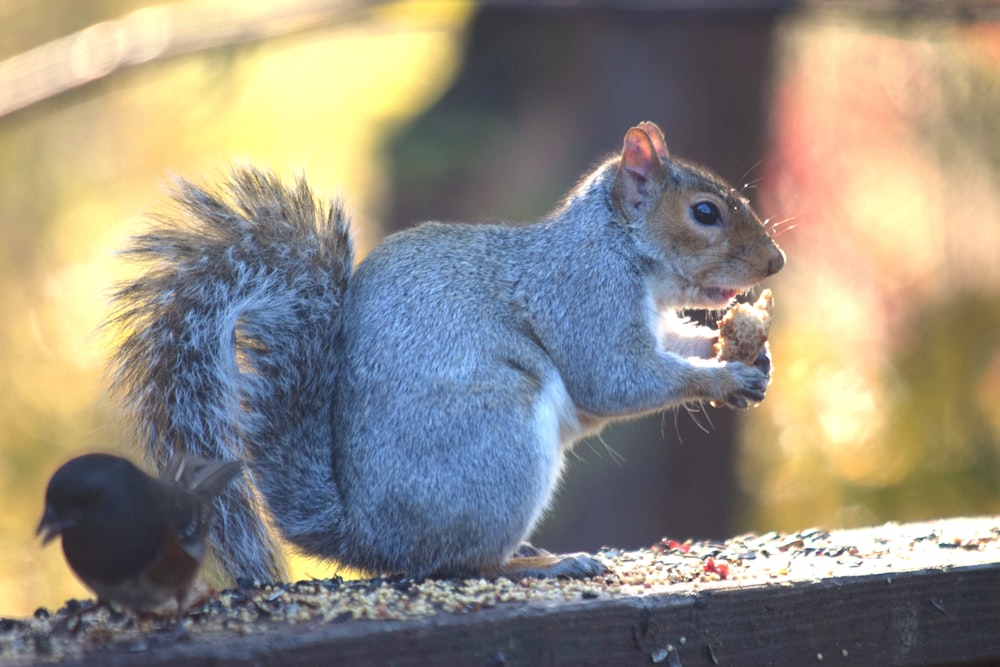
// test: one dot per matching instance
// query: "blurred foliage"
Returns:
(884, 402)
(945, 420)
(78, 174)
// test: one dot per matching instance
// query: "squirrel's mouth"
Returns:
(721, 296)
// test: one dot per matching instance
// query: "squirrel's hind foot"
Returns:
(548, 566)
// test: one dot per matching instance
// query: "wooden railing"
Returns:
(912, 594)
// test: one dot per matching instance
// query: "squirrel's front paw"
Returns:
(763, 361)
(749, 383)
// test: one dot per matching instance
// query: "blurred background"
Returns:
(868, 130)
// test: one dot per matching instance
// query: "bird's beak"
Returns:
(50, 526)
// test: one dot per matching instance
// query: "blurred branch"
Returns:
(950, 10)
(156, 33)
(956, 10)
(169, 30)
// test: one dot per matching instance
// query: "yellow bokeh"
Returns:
(324, 102)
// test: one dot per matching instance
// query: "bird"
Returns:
(131, 538)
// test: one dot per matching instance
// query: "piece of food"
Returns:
(743, 330)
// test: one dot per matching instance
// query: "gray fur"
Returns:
(411, 417)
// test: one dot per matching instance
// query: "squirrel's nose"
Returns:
(776, 262)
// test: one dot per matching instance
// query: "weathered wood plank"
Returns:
(917, 594)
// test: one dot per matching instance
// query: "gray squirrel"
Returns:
(412, 414)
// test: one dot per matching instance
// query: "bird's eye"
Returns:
(706, 213)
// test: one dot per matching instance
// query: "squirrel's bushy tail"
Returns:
(225, 350)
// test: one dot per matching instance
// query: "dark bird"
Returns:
(131, 538)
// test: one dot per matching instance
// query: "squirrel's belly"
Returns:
(558, 418)
(557, 426)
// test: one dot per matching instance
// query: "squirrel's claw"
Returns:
(763, 361)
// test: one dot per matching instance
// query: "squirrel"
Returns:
(411, 414)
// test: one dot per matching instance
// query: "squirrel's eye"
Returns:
(706, 213)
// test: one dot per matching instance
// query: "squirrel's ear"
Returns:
(640, 172)
(655, 135)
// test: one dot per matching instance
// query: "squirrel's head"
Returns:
(711, 242)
